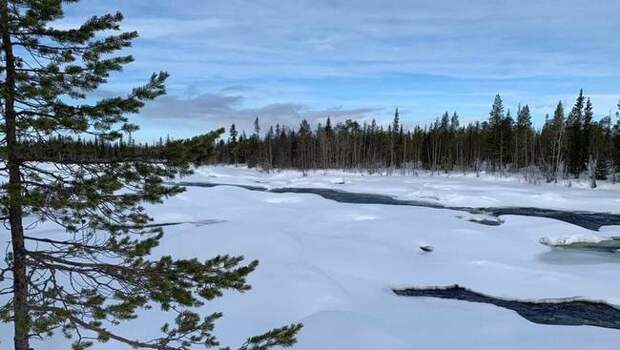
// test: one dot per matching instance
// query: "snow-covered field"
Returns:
(332, 265)
(454, 189)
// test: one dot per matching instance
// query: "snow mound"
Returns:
(481, 218)
(584, 242)
(563, 241)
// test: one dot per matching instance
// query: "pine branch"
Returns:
(102, 332)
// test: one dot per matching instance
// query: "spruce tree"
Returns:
(254, 150)
(86, 283)
(507, 138)
(232, 143)
(457, 145)
(574, 130)
(496, 140)
(454, 122)
(601, 147)
(523, 136)
(394, 139)
(305, 140)
(558, 127)
(326, 145)
(396, 121)
(256, 128)
(588, 144)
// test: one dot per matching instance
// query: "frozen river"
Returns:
(335, 265)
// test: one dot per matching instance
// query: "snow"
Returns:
(452, 189)
(584, 242)
(572, 239)
(480, 218)
(332, 265)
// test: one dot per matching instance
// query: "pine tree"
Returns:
(99, 274)
(507, 138)
(458, 145)
(558, 127)
(574, 129)
(587, 133)
(601, 147)
(496, 140)
(454, 122)
(268, 161)
(327, 144)
(254, 151)
(396, 121)
(256, 128)
(523, 136)
(232, 143)
(394, 144)
(305, 140)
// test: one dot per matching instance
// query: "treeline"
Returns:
(69, 150)
(569, 144)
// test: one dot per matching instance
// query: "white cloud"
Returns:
(445, 51)
(219, 110)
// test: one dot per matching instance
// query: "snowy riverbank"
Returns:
(333, 265)
(452, 189)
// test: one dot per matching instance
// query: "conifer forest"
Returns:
(569, 143)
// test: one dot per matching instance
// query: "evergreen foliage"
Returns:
(65, 163)
(575, 137)
(561, 147)
(496, 136)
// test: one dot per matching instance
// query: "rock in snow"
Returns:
(426, 248)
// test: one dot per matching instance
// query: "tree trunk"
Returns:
(20, 284)
(592, 164)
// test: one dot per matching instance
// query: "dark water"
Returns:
(588, 220)
(550, 312)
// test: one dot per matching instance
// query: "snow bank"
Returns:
(453, 189)
(584, 242)
(563, 241)
(481, 218)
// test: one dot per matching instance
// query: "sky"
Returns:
(282, 61)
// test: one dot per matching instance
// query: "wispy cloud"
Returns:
(325, 53)
(304, 38)
(236, 88)
(219, 110)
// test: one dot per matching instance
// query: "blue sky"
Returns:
(233, 60)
